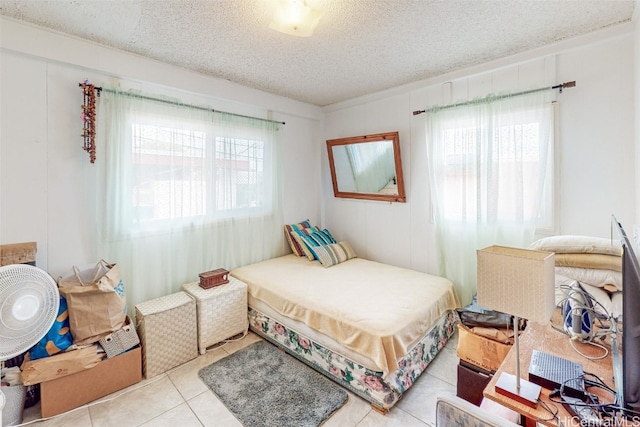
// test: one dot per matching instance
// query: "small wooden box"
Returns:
(213, 278)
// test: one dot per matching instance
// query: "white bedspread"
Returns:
(374, 309)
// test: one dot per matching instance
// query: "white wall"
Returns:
(376, 230)
(43, 169)
(42, 165)
(597, 157)
(595, 144)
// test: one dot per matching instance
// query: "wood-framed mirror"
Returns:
(367, 167)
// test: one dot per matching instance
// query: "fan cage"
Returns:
(19, 280)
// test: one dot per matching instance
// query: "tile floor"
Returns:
(179, 398)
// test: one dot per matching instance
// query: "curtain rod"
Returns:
(180, 104)
(509, 95)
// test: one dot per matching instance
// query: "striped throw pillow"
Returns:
(335, 253)
(310, 238)
(289, 229)
(304, 246)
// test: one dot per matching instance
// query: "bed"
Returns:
(371, 327)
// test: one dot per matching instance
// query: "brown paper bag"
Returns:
(95, 300)
(59, 365)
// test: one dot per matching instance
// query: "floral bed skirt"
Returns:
(381, 392)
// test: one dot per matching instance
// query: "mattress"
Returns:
(373, 313)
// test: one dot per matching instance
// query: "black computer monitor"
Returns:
(629, 390)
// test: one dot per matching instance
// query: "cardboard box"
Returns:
(110, 375)
(59, 365)
(480, 351)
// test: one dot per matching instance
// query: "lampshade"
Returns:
(295, 17)
(517, 281)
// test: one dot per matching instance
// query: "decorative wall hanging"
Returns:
(89, 118)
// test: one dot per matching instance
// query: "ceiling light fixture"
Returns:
(295, 17)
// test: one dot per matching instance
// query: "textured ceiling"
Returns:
(359, 47)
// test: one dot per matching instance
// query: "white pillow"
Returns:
(593, 277)
(616, 304)
(566, 244)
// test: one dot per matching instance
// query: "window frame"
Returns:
(210, 209)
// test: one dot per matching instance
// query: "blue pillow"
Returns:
(314, 237)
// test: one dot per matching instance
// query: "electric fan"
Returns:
(29, 303)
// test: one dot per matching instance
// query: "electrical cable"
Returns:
(577, 305)
(553, 411)
(608, 411)
(230, 340)
(579, 300)
(606, 350)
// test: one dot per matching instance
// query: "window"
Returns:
(187, 172)
(168, 173)
(498, 173)
(239, 164)
(181, 190)
(491, 168)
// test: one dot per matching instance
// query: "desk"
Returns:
(548, 340)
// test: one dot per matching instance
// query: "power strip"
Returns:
(586, 414)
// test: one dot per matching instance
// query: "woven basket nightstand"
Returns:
(167, 329)
(222, 311)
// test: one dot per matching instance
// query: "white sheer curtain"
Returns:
(372, 164)
(182, 190)
(491, 172)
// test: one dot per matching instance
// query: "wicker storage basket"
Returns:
(222, 311)
(120, 341)
(167, 329)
